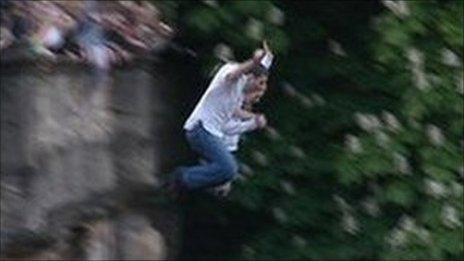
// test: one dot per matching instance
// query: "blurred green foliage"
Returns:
(365, 155)
(414, 156)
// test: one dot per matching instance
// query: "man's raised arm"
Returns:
(247, 66)
(260, 57)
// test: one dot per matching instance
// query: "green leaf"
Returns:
(400, 193)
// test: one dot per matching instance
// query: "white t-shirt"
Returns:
(233, 129)
(53, 37)
(219, 101)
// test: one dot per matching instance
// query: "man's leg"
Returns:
(220, 167)
(221, 190)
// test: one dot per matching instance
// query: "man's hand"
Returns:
(266, 47)
(261, 121)
(266, 61)
(243, 114)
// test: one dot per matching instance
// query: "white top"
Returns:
(53, 37)
(233, 129)
(219, 101)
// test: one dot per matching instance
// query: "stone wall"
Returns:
(77, 150)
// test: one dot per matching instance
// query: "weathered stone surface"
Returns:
(71, 145)
(139, 240)
(100, 242)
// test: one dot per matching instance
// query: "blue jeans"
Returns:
(220, 167)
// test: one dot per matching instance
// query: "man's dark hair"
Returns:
(259, 71)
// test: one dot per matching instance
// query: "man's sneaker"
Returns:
(221, 191)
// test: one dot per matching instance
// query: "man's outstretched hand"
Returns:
(266, 48)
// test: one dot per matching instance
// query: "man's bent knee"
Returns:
(228, 171)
